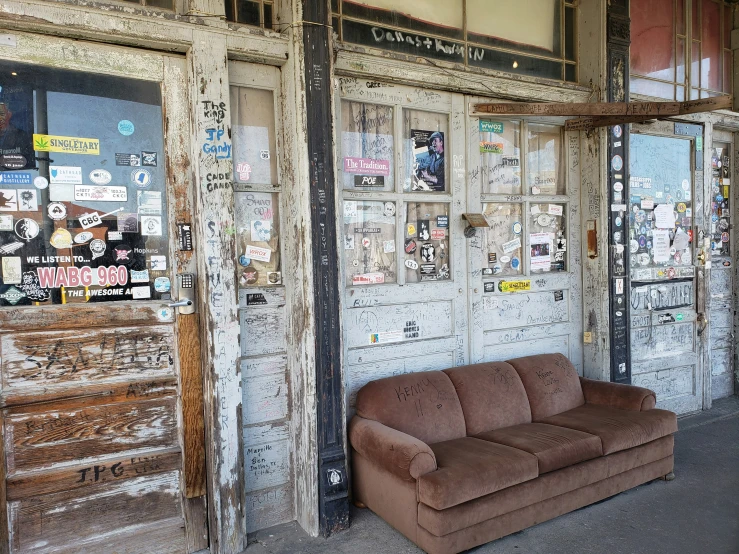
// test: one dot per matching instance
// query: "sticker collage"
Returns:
(720, 212)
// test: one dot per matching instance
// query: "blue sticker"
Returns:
(141, 178)
(162, 284)
(517, 228)
(125, 127)
(714, 217)
(243, 260)
(15, 178)
(515, 262)
(719, 198)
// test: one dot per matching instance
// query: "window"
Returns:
(527, 231)
(681, 49)
(498, 35)
(251, 12)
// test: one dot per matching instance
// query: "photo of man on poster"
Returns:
(429, 162)
(16, 127)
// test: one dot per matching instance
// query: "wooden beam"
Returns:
(587, 123)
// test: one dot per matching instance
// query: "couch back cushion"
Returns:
(492, 396)
(551, 382)
(423, 405)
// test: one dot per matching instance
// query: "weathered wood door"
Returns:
(100, 385)
(525, 268)
(667, 226)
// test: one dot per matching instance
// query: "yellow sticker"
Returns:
(513, 286)
(411, 230)
(61, 239)
(67, 145)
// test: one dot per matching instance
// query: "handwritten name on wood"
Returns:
(267, 465)
(264, 330)
(268, 508)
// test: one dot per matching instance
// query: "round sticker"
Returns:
(545, 220)
(619, 221)
(633, 246)
(642, 241)
(410, 246)
(723, 224)
(640, 216)
(681, 207)
(617, 131)
(26, 228)
(643, 259)
(617, 163)
(618, 186)
(162, 284)
(243, 260)
(410, 229)
(505, 259)
(40, 182)
(714, 217)
(56, 210)
(250, 276)
(141, 178)
(97, 247)
(165, 314)
(355, 263)
(125, 127)
(389, 209)
(366, 242)
(83, 237)
(515, 262)
(60, 239)
(517, 228)
(724, 237)
(100, 176)
(497, 268)
(617, 236)
(719, 198)
(411, 264)
(123, 254)
(686, 184)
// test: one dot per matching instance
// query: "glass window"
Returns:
(500, 150)
(711, 66)
(369, 242)
(424, 164)
(258, 244)
(426, 246)
(547, 237)
(367, 147)
(503, 239)
(250, 12)
(83, 213)
(253, 136)
(652, 39)
(544, 170)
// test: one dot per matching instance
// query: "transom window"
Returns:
(251, 12)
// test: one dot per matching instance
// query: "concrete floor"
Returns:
(698, 512)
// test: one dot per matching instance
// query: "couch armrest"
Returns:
(394, 451)
(616, 395)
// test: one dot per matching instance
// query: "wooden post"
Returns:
(217, 298)
(333, 503)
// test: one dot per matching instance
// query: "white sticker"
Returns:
(56, 211)
(619, 286)
(535, 209)
(140, 276)
(511, 245)
(555, 209)
(388, 246)
(141, 292)
(65, 175)
(115, 235)
(159, 263)
(88, 193)
(411, 264)
(165, 313)
(100, 176)
(151, 225)
(27, 200)
(618, 187)
(505, 259)
(9, 201)
(647, 204)
(661, 245)
(6, 222)
(259, 254)
(387, 336)
(264, 154)
(664, 217)
(84, 236)
(618, 207)
(40, 182)
(12, 273)
(350, 209)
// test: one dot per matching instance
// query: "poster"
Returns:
(664, 216)
(428, 166)
(541, 246)
(661, 242)
(16, 127)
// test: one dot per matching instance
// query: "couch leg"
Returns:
(669, 477)
(359, 505)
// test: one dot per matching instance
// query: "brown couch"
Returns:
(456, 458)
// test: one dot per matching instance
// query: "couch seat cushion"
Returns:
(554, 447)
(617, 429)
(469, 468)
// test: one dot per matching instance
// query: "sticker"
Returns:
(123, 254)
(83, 237)
(128, 222)
(410, 246)
(125, 127)
(410, 229)
(149, 159)
(617, 163)
(617, 131)
(389, 209)
(115, 235)
(388, 246)
(442, 221)
(699, 144)
(554, 209)
(487, 270)
(619, 286)
(60, 239)
(388, 336)
(97, 247)
(140, 293)
(368, 279)
(617, 144)
(12, 270)
(618, 186)
(544, 220)
(541, 245)
(424, 232)
(15, 178)
(27, 200)
(647, 204)
(348, 242)
(151, 225)
(249, 276)
(274, 277)
(13, 161)
(93, 218)
(257, 253)
(619, 221)
(535, 190)
(664, 217)
(497, 268)
(141, 178)
(514, 286)
(428, 269)
(491, 127)
(6, 222)
(100, 176)
(512, 245)
(411, 264)
(131, 160)
(428, 252)
(438, 234)
(517, 227)
(488, 147)
(244, 261)
(165, 314)
(679, 317)
(88, 193)
(505, 259)
(515, 262)
(31, 286)
(724, 237)
(8, 201)
(671, 273)
(489, 287)
(264, 154)
(12, 296)
(40, 182)
(350, 210)
(256, 299)
(159, 263)
(686, 184)
(67, 145)
(492, 257)
(140, 276)
(261, 230)
(367, 166)
(681, 207)
(369, 181)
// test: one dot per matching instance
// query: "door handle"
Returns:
(180, 304)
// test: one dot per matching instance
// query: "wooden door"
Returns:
(525, 268)
(100, 384)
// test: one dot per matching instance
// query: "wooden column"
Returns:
(333, 504)
(217, 292)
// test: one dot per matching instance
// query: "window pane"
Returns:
(570, 73)
(500, 152)
(652, 39)
(547, 237)
(267, 16)
(253, 136)
(680, 17)
(680, 94)
(367, 146)
(680, 60)
(711, 67)
(695, 67)
(727, 71)
(425, 136)
(696, 19)
(258, 228)
(569, 34)
(247, 12)
(544, 172)
(166, 4)
(503, 239)
(426, 246)
(369, 242)
(651, 88)
(517, 63)
(728, 13)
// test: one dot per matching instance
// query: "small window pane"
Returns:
(547, 238)
(258, 227)
(570, 34)
(544, 170)
(652, 39)
(369, 242)
(651, 88)
(166, 4)
(696, 18)
(727, 71)
(426, 245)
(680, 17)
(268, 16)
(728, 12)
(711, 67)
(253, 136)
(681, 60)
(247, 12)
(500, 153)
(425, 137)
(367, 146)
(570, 73)
(503, 239)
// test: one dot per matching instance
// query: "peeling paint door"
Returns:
(100, 386)
(667, 241)
(400, 155)
(525, 276)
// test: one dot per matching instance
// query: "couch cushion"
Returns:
(551, 382)
(617, 429)
(469, 468)
(492, 396)
(423, 405)
(554, 447)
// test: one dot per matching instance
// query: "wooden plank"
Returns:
(100, 473)
(4, 532)
(49, 523)
(263, 330)
(193, 423)
(161, 537)
(266, 465)
(268, 508)
(265, 398)
(40, 440)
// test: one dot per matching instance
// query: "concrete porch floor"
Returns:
(697, 512)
